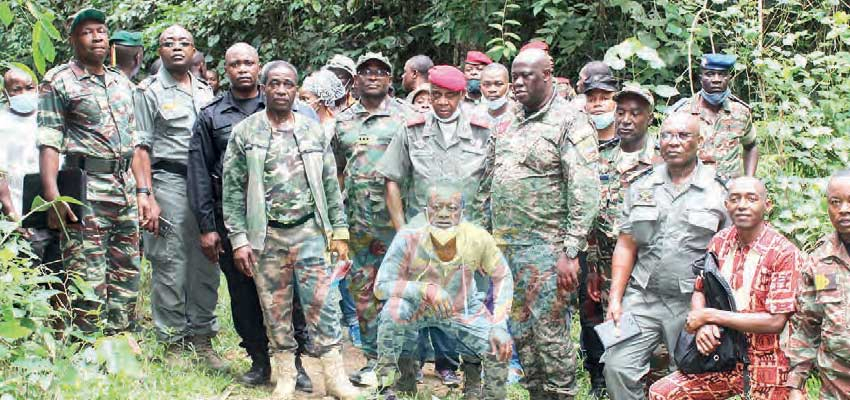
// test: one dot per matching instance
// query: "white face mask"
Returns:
(442, 235)
(450, 119)
(498, 103)
(25, 103)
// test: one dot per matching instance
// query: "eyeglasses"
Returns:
(371, 73)
(681, 136)
(169, 45)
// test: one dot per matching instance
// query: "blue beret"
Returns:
(720, 62)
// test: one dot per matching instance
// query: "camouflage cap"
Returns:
(637, 90)
(125, 38)
(87, 14)
(377, 57)
(342, 62)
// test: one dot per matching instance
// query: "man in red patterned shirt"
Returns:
(761, 267)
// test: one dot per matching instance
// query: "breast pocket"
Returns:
(701, 225)
(831, 298)
(541, 156)
(422, 160)
(644, 221)
(172, 118)
(473, 160)
(84, 108)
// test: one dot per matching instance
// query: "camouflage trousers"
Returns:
(591, 313)
(368, 252)
(184, 283)
(103, 252)
(297, 258)
(540, 323)
(398, 351)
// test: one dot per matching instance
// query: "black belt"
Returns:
(298, 222)
(98, 165)
(170, 166)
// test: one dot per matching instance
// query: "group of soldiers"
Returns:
(464, 216)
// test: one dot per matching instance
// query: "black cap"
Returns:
(600, 82)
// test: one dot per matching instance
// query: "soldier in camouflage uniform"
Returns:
(820, 336)
(428, 281)
(361, 136)
(184, 283)
(667, 220)
(624, 159)
(86, 112)
(281, 198)
(542, 186)
(726, 124)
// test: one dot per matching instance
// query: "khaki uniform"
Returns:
(420, 156)
(672, 227)
(184, 283)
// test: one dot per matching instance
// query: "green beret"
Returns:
(87, 14)
(125, 38)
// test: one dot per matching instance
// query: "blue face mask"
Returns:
(602, 121)
(473, 86)
(715, 98)
(25, 103)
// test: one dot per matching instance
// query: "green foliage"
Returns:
(41, 354)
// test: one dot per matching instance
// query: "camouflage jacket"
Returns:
(820, 337)
(617, 171)
(244, 180)
(359, 141)
(420, 157)
(542, 180)
(411, 263)
(724, 135)
(80, 114)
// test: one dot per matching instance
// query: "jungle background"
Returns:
(793, 68)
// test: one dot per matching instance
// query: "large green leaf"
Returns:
(13, 330)
(6, 16)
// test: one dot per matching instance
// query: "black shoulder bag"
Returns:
(733, 344)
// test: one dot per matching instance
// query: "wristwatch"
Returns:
(571, 252)
(143, 190)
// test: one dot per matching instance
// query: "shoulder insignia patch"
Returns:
(645, 197)
(146, 83)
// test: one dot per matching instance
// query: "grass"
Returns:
(184, 378)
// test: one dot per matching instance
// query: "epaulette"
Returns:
(147, 82)
(55, 70)
(643, 174)
(416, 119)
(738, 100)
(214, 101)
(722, 181)
(476, 120)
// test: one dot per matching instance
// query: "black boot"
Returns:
(261, 369)
(302, 381)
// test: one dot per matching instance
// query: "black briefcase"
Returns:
(71, 182)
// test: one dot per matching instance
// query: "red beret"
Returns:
(447, 77)
(477, 57)
(535, 44)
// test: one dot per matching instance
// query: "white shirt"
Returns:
(18, 152)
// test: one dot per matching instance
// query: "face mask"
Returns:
(498, 103)
(24, 103)
(450, 119)
(473, 86)
(715, 98)
(602, 121)
(443, 235)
